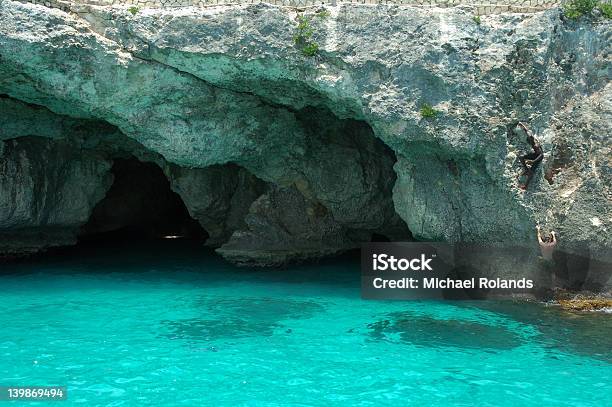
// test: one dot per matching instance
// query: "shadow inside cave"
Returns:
(140, 205)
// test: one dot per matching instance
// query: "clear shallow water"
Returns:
(169, 324)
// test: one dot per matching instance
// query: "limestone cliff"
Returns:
(338, 136)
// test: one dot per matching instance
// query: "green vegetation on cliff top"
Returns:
(303, 36)
(578, 8)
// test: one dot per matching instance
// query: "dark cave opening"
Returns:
(377, 237)
(140, 205)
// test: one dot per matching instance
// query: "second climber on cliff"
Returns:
(547, 244)
(531, 160)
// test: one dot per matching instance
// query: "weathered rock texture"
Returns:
(219, 197)
(483, 6)
(47, 191)
(204, 89)
(282, 225)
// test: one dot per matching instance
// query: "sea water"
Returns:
(171, 324)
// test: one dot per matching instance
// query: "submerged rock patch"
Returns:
(239, 318)
(432, 332)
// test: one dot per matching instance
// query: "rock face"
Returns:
(282, 226)
(47, 191)
(219, 197)
(240, 117)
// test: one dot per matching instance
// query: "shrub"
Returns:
(323, 14)
(303, 37)
(428, 112)
(606, 9)
(477, 20)
(311, 49)
(575, 9)
(304, 26)
(133, 10)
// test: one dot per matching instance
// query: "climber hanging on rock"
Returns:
(547, 244)
(530, 161)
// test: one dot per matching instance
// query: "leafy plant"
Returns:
(606, 9)
(575, 9)
(477, 20)
(303, 37)
(323, 14)
(133, 10)
(428, 112)
(311, 49)
(304, 27)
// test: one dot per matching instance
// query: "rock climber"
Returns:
(530, 161)
(547, 244)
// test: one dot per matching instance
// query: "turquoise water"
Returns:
(170, 324)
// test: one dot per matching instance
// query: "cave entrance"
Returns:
(140, 205)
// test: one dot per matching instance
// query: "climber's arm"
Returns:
(538, 158)
(539, 234)
(525, 129)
